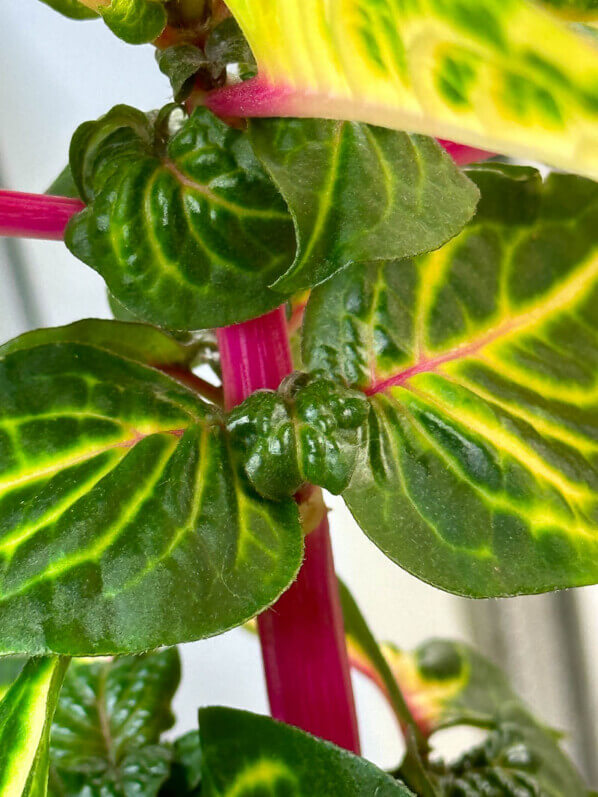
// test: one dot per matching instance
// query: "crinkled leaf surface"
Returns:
(109, 720)
(503, 75)
(26, 713)
(126, 522)
(480, 361)
(247, 754)
(187, 234)
(360, 192)
(180, 63)
(308, 432)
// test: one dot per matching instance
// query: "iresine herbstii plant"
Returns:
(379, 323)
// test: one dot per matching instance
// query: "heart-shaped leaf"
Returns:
(358, 192)
(110, 720)
(126, 521)
(187, 230)
(480, 363)
(26, 713)
(250, 754)
(503, 75)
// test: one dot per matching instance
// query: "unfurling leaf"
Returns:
(188, 231)
(109, 722)
(357, 192)
(480, 363)
(309, 431)
(247, 754)
(126, 522)
(26, 713)
(503, 75)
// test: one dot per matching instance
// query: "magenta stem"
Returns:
(36, 215)
(302, 636)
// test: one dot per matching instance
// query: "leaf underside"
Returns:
(503, 75)
(480, 362)
(126, 522)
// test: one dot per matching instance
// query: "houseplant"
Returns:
(444, 385)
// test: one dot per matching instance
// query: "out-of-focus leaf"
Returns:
(127, 522)
(135, 21)
(10, 667)
(185, 774)
(246, 754)
(503, 75)
(72, 9)
(188, 234)
(109, 722)
(358, 192)
(134, 341)
(26, 712)
(480, 363)
(307, 432)
(64, 185)
(575, 10)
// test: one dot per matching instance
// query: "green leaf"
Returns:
(109, 720)
(10, 667)
(308, 431)
(64, 185)
(180, 63)
(72, 9)
(360, 193)
(126, 522)
(520, 758)
(228, 51)
(185, 774)
(498, 74)
(140, 773)
(187, 234)
(135, 21)
(246, 754)
(480, 362)
(26, 713)
(135, 341)
(574, 10)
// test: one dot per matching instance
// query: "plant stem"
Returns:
(302, 635)
(36, 215)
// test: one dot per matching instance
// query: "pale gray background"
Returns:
(55, 74)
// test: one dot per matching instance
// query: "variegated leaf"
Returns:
(480, 359)
(503, 75)
(248, 754)
(133, 21)
(125, 521)
(186, 228)
(26, 713)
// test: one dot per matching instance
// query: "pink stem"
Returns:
(36, 215)
(303, 644)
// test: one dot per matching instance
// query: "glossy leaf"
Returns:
(187, 234)
(135, 21)
(480, 363)
(126, 522)
(109, 720)
(246, 754)
(72, 9)
(503, 76)
(359, 192)
(26, 713)
(307, 432)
